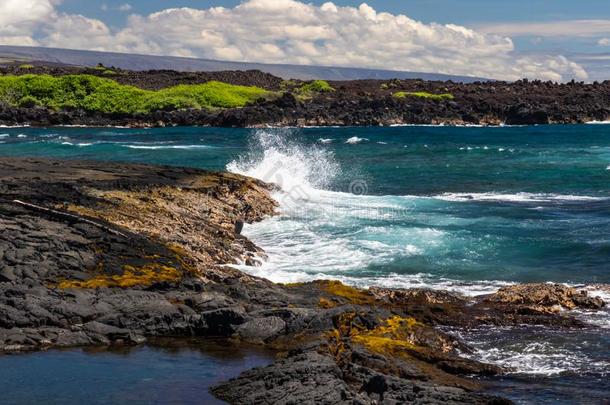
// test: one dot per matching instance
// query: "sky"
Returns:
(548, 39)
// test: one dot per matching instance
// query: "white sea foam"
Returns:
(4, 135)
(301, 172)
(22, 136)
(516, 197)
(161, 147)
(325, 140)
(355, 140)
(541, 351)
(598, 122)
(80, 145)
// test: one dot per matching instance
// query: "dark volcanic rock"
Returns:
(314, 378)
(359, 102)
(545, 297)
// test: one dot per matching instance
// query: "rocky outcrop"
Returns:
(545, 297)
(116, 254)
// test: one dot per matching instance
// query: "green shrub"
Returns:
(28, 102)
(93, 93)
(26, 66)
(384, 86)
(423, 94)
(316, 86)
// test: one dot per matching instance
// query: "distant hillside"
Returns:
(147, 62)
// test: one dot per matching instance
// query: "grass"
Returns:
(98, 94)
(425, 95)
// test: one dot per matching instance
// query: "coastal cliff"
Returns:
(98, 254)
(33, 95)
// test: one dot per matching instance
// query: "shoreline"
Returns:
(116, 254)
(295, 103)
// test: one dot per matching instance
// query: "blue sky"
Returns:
(547, 39)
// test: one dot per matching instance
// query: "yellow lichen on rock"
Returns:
(133, 276)
(351, 294)
(397, 334)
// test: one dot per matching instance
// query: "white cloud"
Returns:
(604, 42)
(125, 7)
(289, 31)
(19, 20)
(571, 28)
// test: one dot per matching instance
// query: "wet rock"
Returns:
(314, 378)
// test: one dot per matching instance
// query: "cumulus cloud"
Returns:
(604, 42)
(571, 28)
(289, 31)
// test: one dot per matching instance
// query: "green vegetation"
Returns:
(26, 66)
(316, 86)
(99, 94)
(309, 90)
(286, 85)
(423, 94)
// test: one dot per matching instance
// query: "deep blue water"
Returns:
(467, 209)
(172, 374)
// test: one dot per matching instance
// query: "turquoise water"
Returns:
(463, 208)
(466, 209)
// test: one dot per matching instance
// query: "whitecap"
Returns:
(325, 140)
(516, 197)
(161, 147)
(355, 140)
(595, 122)
(80, 145)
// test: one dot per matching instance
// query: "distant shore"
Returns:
(168, 98)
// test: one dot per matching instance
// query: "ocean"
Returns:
(467, 209)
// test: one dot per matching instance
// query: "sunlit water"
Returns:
(465, 209)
